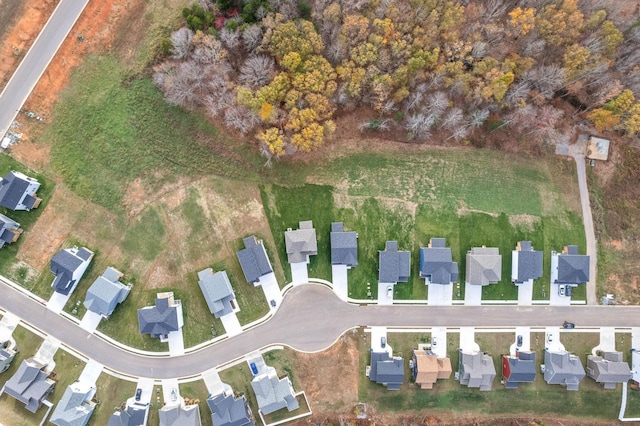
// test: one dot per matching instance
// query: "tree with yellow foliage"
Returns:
(522, 20)
(560, 23)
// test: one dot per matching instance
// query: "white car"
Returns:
(390, 292)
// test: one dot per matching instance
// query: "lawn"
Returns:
(198, 391)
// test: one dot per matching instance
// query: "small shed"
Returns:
(598, 148)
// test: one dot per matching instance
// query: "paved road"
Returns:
(37, 59)
(311, 318)
(577, 152)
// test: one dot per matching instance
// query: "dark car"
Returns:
(383, 341)
(254, 369)
(567, 324)
(519, 340)
(138, 394)
(568, 290)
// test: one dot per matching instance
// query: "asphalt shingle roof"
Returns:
(301, 243)
(436, 263)
(13, 187)
(395, 265)
(253, 260)
(273, 393)
(344, 246)
(160, 319)
(229, 411)
(529, 262)
(217, 291)
(563, 368)
(180, 416)
(75, 406)
(106, 292)
(484, 266)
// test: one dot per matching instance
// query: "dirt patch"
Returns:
(524, 221)
(464, 210)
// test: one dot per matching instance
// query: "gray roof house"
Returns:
(106, 292)
(436, 264)
(608, 369)
(395, 265)
(226, 410)
(75, 406)
(273, 393)
(217, 291)
(569, 267)
(476, 370)
(386, 370)
(344, 246)
(9, 230)
(131, 415)
(518, 369)
(484, 266)
(161, 319)
(7, 354)
(69, 265)
(253, 260)
(301, 243)
(179, 415)
(18, 191)
(30, 384)
(563, 368)
(526, 263)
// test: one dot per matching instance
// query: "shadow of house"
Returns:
(563, 368)
(436, 264)
(106, 293)
(18, 191)
(484, 266)
(518, 369)
(75, 406)
(395, 265)
(217, 291)
(476, 370)
(254, 260)
(344, 246)
(69, 265)
(159, 320)
(526, 263)
(608, 369)
(30, 384)
(226, 410)
(428, 368)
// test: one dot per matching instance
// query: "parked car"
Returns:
(567, 324)
(433, 342)
(561, 290)
(389, 292)
(254, 369)
(273, 303)
(174, 394)
(383, 342)
(568, 290)
(549, 337)
(138, 394)
(519, 340)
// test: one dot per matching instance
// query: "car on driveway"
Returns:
(389, 292)
(254, 369)
(567, 324)
(549, 337)
(519, 340)
(568, 290)
(433, 341)
(383, 342)
(138, 394)
(561, 290)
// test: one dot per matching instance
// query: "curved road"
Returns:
(310, 319)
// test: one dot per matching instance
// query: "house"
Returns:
(69, 265)
(30, 384)
(598, 148)
(301, 243)
(436, 263)
(75, 406)
(273, 393)
(476, 370)
(180, 415)
(106, 292)
(563, 368)
(608, 369)
(18, 191)
(344, 246)
(518, 369)
(395, 265)
(569, 267)
(217, 292)
(227, 410)
(7, 354)
(526, 263)
(131, 415)
(9, 230)
(484, 266)
(253, 260)
(386, 370)
(161, 319)
(428, 368)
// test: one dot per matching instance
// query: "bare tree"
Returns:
(436, 103)
(256, 71)
(230, 38)
(252, 37)
(546, 79)
(181, 43)
(208, 50)
(452, 119)
(240, 118)
(477, 118)
(185, 85)
(517, 93)
(221, 96)
(419, 125)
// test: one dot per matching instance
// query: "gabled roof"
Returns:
(344, 246)
(563, 368)
(428, 368)
(180, 416)
(273, 393)
(29, 384)
(15, 193)
(609, 369)
(9, 228)
(75, 406)
(253, 260)
(573, 268)
(229, 411)
(217, 291)
(527, 263)
(106, 292)
(436, 263)
(130, 416)
(519, 369)
(484, 266)
(164, 317)
(476, 370)
(387, 370)
(67, 263)
(395, 265)
(301, 243)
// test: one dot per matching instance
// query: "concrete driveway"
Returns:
(525, 293)
(440, 294)
(299, 273)
(340, 281)
(383, 299)
(8, 323)
(91, 372)
(231, 324)
(439, 336)
(170, 391)
(525, 332)
(147, 392)
(607, 340)
(57, 301)
(90, 321)
(271, 290)
(468, 340)
(212, 381)
(47, 350)
(472, 294)
(555, 299)
(377, 333)
(552, 339)
(176, 343)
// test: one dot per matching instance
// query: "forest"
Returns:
(445, 70)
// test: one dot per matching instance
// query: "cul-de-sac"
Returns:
(319, 212)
